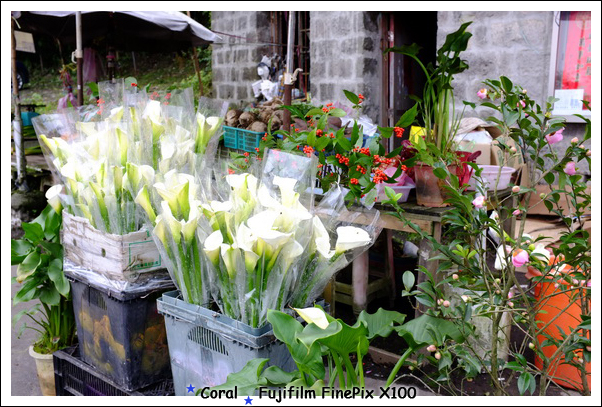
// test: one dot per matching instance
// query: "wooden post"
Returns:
(197, 69)
(17, 123)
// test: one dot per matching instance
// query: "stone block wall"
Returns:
(345, 55)
(515, 44)
(510, 43)
(234, 61)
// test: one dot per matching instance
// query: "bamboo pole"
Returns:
(17, 123)
(197, 69)
(79, 58)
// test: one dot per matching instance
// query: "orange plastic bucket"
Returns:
(561, 373)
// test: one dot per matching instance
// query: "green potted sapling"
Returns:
(436, 110)
(39, 256)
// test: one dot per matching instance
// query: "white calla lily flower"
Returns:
(189, 227)
(174, 225)
(217, 206)
(313, 315)
(287, 190)
(160, 230)
(265, 198)
(53, 197)
(212, 246)
(500, 257)
(229, 256)
(323, 247)
(351, 237)
(262, 221)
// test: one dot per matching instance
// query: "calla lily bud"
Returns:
(313, 315)
(143, 199)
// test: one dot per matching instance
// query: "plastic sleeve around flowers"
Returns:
(156, 280)
(339, 222)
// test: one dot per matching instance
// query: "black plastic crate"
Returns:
(74, 377)
(121, 334)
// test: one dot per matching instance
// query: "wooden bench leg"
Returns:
(391, 268)
(360, 269)
(425, 253)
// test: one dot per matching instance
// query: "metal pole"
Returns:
(197, 69)
(17, 123)
(288, 74)
(79, 57)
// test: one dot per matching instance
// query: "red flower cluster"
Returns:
(331, 135)
(361, 97)
(361, 150)
(361, 169)
(404, 167)
(354, 181)
(100, 103)
(168, 96)
(379, 176)
(342, 159)
(257, 150)
(134, 84)
(308, 150)
(265, 137)
(320, 165)
(382, 160)
(230, 171)
(398, 131)
(246, 154)
(319, 133)
(328, 108)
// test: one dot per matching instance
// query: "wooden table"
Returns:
(361, 291)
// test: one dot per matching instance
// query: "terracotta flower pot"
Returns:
(45, 368)
(430, 190)
(553, 298)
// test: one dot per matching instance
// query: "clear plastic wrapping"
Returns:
(144, 284)
(255, 241)
(104, 155)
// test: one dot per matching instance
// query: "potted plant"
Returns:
(39, 256)
(435, 146)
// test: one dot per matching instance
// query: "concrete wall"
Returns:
(515, 44)
(234, 62)
(345, 54)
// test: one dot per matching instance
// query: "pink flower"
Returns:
(516, 189)
(431, 348)
(516, 212)
(482, 93)
(522, 103)
(555, 137)
(520, 257)
(478, 202)
(569, 168)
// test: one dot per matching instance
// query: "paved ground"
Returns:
(24, 379)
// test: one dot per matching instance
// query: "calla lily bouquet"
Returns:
(104, 159)
(253, 241)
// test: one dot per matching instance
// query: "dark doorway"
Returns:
(402, 76)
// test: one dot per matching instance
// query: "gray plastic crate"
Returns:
(206, 346)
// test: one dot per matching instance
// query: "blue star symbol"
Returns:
(248, 400)
(190, 389)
